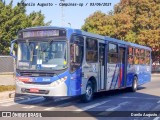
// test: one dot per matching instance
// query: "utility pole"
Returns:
(69, 25)
(62, 14)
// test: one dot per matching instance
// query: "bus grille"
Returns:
(38, 83)
(40, 91)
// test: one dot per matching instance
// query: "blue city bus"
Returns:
(56, 61)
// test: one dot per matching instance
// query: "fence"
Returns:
(6, 65)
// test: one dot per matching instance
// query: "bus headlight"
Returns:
(58, 82)
(22, 80)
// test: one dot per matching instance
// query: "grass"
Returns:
(7, 88)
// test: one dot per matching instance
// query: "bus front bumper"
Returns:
(41, 90)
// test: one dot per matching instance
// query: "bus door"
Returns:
(122, 67)
(101, 80)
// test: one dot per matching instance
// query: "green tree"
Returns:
(13, 19)
(144, 15)
(100, 23)
(94, 23)
(37, 18)
(135, 21)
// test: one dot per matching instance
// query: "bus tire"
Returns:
(88, 96)
(134, 85)
(48, 97)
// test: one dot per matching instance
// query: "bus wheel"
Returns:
(48, 98)
(87, 97)
(134, 85)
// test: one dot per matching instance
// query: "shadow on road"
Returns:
(114, 103)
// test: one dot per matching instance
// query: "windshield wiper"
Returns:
(48, 44)
(31, 49)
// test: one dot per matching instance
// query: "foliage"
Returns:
(134, 21)
(13, 19)
(7, 88)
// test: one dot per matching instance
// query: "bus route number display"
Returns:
(40, 33)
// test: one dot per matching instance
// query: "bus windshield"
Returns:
(42, 55)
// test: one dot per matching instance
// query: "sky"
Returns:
(73, 16)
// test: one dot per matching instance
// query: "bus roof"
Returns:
(81, 32)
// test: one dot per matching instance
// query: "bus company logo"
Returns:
(6, 114)
(148, 69)
(46, 79)
(94, 68)
(109, 70)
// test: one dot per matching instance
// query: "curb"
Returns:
(7, 95)
(11, 95)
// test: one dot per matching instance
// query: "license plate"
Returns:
(34, 90)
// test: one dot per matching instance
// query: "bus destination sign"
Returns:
(43, 33)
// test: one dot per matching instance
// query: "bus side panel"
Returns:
(140, 72)
(144, 75)
(75, 82)
(89, 70)
(130, 74)
(121, 79)
(112, 76)
(147, 74)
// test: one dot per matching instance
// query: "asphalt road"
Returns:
(147, 98)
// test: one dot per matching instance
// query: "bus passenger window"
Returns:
(112, 58)
(141, 60)
(142, 53)
(147, 57)
(91, 50)
(113, 53)
(113, 48)
(130, 59)
(147, 53)
(148, 60)
(76, 52)
(136, 60)
(136, 52)
(130, 51)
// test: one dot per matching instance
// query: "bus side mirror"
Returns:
(12, 53)
(76, 52)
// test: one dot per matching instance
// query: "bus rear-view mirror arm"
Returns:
(11, 49)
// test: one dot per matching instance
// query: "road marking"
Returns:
(60, 99)
(158, 102)
(29, 107)
(15, 99)
(10, 102)
(129, 97)
(19, 102)
(92, 106)
(139, 98)
(117, 107)
(104, 106)
(56, 107)
(156, 118)
(37, 105)
(113, 109)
